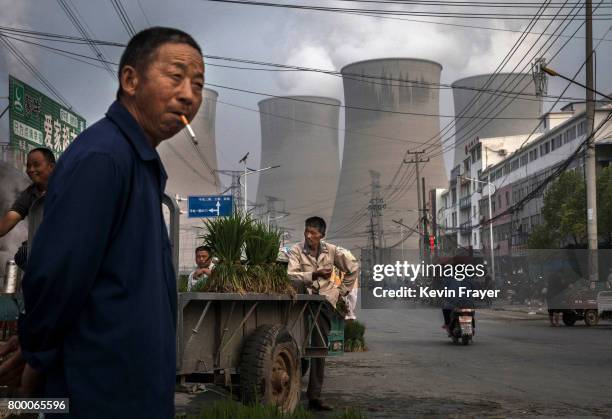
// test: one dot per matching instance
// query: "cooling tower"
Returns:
(375, 146)
(299, 133)
(493, 95)
(192, 170)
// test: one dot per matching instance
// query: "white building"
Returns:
(515, 166)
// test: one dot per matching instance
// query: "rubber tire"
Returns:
(569, 318)
(465, 340)
(256, 363)
(591, 318)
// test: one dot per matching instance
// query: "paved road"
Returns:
(517, 366)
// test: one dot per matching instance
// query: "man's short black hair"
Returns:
(203, 248)
(316, 222)
(47, 154)
(144, 44)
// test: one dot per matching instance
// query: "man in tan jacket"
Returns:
(311, 263)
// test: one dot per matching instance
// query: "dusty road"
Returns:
(518, 366)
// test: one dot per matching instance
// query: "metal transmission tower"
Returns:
(235, 188)
(272, 213)
(540, 80)
(376, 236)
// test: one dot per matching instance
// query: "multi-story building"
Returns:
(515, 167)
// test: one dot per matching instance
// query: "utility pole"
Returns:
(416, 160)
(590, 164)
(376, 206)
(425, 237)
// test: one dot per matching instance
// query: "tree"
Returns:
(604, 204)
(564, 212)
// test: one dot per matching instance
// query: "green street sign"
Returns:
(36, 120)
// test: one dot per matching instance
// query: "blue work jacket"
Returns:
(100, 289)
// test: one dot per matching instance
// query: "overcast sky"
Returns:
(305, 38)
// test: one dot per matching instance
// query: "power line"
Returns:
(489, 106)
(144, 13)
(459, 15)
(559, 169)
(123, 17)
(37, 74)
(86, 36)
(466, 136)
(474, 101)
(459, 4)
(356, 107)
(564, 90)
(365, 78)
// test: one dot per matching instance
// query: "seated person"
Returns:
(205, 265)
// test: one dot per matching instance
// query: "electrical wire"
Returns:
(458, 15)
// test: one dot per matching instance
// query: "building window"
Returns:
(533, 154)
(454, 219)
(544, 148)
(514, 165)
(569, 135)
(478, 152)
(524, 159)
(582, 128)
(507, 198)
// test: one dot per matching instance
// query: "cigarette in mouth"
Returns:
(191, 133)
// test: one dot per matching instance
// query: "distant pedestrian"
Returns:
(554, 298)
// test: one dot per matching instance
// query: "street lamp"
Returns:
(553, 73)
(490, 220)
(247, 172)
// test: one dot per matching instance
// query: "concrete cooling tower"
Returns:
(372, 166)
(299, 133)
(191, 171)
(500, 96)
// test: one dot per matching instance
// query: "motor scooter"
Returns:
(462, 325)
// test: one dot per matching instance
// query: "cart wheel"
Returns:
(269, 368)
(591, 318)
(569, 318)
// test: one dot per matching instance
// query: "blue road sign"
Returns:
(210, 206)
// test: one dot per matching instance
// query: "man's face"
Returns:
(202, 258)
(313, 237)
(38, 168)
(171, 86)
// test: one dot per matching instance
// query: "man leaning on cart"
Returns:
(311, 263)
